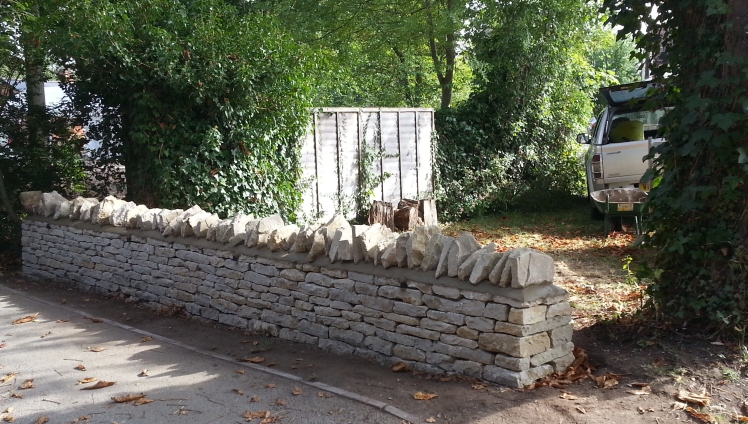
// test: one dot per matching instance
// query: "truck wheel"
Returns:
(595, 214)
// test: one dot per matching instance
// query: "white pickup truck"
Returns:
(622, 135)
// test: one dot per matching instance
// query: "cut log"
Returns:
(427, 212)
(407, 203)
(382, 213)
(406, 218)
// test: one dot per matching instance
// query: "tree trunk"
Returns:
(406, 218)
(382, 213)
(34, 62)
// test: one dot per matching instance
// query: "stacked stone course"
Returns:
(504, 335)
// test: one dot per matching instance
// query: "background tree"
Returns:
(699, 48)
(202, 103)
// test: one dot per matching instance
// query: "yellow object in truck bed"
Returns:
(621, 132)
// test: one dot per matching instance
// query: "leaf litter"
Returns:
(100, 385)
(424, 396)
(28, 318)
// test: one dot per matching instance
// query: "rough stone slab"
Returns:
(418, 242)
(370, 239)
(483, 267)
(516, 379)
(561, 335)
(561, 308)
(318, 247)
(29, 199)
(496, 311)
(433, 252)
(442, 267)
(525, 330)
(495, 275)
(519, 347)
(341, 246)
(104, 210)
(459, 251)
(466, 268)
(512, 363)
(387, 242)
(448, 292)
(359, 254)
(552, 354)
(562, 363)
(49, 204)
(526, 316)
(401, 249)
(282, 238)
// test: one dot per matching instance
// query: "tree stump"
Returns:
(382, 213)
(406, 218)
(427, 212)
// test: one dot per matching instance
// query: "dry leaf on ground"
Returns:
(478, 386)
(700, 415)
(8, 377)
(431, 420)
(424, 396)
(400, 367)
(581, 410)
(9, 418)
(16, 395)
(97, 349)
(606, 380)
(568, 396)
(87, 380)
(270, 386)
(96, 320)
(100, 385)
(280, 402)
(128, 398)
(28, 384)
(296, 391)
(8, 410)
(80, 367)
(60, 321)
(239, 391)
(323, 395)
(646, 390)
(26, 319)
(254, 360)
(143, 373)
(142, 401)
(659, 362)
(697, 398)
(42, 420)
(146, 339)
(272, 419)
(255, 399)
(253, 415)
(239, 371)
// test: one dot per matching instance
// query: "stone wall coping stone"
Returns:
(526, 295)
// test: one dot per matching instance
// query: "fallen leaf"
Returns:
(446, 378)
(87, 380)
(255, 399)
(26, 319)
(280, 402)
(239, 391)
(80, 367)
(45, 335)
(8, 377)
(62, 320)
(659, 362)
(270, 386)
(680, 406)
(239, 371)
(253, 415)
(697, 398)
(424, 396)
(8, 410)
(146, 339)
(128, 398)
(100, 385)
(700, 415)
(323, 395)
(478, 386)
(28, 384)
(400, 367)
(718, 343)
(639, 384)
(2, 345)
(16, 395)
(254, 360)
(9, 418)
(568, 396)
(142, 401)
(431, 420)
(143, 373)
(42, 420)
(296, 391)
(95, 320)
(272, 419)
(97, 349)
(646, 390)
(271, 364)
(581, 410)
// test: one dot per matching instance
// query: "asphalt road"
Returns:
(185, 385)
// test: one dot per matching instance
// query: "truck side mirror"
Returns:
(583, 139)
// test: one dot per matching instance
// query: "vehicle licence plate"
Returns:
(625, 207)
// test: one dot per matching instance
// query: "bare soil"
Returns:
(625, 349)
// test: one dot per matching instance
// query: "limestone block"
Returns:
(49, 204)
(235, 230)
(524, 267)
(341, 246)
(367, 241)
(64, 210)
(174, 227)
(386, 242)
(302, 239)
(165, 217)
(250, 233)
(389, 256)
(401, 249)
(189, 223)
(282, 238)
(418, 242)
(459, 251)
(118, 217)
(466, 268)
(524, 316)
(551, 354)
(433, 252)
(562, 363)
(131, 217)
(79, 203)
(336, 222)
(204, 225)
(509, 378)
(104, 210)
(561, 308)
(561, 335)
(265, 227)
(495, 276)
(29, 199)
(359, 254)
(519, 347)
(442, 266)
(318, 247)
(483, 267)
(146, 220)
(87, 209)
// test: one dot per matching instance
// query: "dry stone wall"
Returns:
(347, 289)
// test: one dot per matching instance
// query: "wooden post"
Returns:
(427, 212)
(382, 213)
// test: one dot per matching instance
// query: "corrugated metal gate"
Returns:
(332, 150)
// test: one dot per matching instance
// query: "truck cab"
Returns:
(622, 135)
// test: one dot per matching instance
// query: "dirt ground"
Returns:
(641, 368)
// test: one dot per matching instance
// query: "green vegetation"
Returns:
(699, 226)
